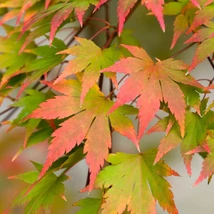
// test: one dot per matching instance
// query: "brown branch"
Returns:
(182, 50)
(99, 31)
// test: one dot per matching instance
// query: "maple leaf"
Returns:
(153, 82)
(14, 62)
(45, 61)
(80, 8)
(27, 4)
(87, 54)
(123, 10)
(89, 205)
(156, 6)
(196, 3)
(61, 13)
(43, 194)
(180, 26)
(196, 132)
(19, 10)
(134, 182)
(208, 163)
(58, 18)
(8, 16)
(205, 48)
(82, 125)
(170, 141)
(174, 8)
(47, 3)
(124, 7)
(202, 16)
(195, 135)
(29, 103)
(99, 4)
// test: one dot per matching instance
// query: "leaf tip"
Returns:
(16, 155)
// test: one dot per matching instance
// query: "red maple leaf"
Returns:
(88, 124)
(152, 82)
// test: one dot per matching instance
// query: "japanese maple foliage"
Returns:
(60, 85)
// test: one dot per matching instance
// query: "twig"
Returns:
(112, 91)
(107, 21)
(182, 50)
(6, 110)
(99, 31)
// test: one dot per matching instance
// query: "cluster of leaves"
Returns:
(77, 119)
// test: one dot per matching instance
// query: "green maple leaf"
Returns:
(86, 59)
(195, 135)
(208, 163)
(205, 39)
(11, 60)
(134, 181)
(42, 194)
(89, 205)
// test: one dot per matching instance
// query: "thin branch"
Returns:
(101, 81)
(107, 20)
(88, 178)
(99, 31)
(211, 62)
(80, 29)
(6, 110)
(182, 50)
(7, 117)
(101, 20)
(108, 42)
(208, 80)
(112, 91)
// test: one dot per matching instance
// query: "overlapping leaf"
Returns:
(18, 9)
(89, 123)
(43, 194)
(175, 7)
(152, 82)
(29, 103)
(134, 182)
(195, 135)
(208, 163)
(58, 13)
(202, 16)
(89, 205)
(205, 37)
(11, 60)
(180, 26)
(46, 59)
(87, 55)
(80, 8)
